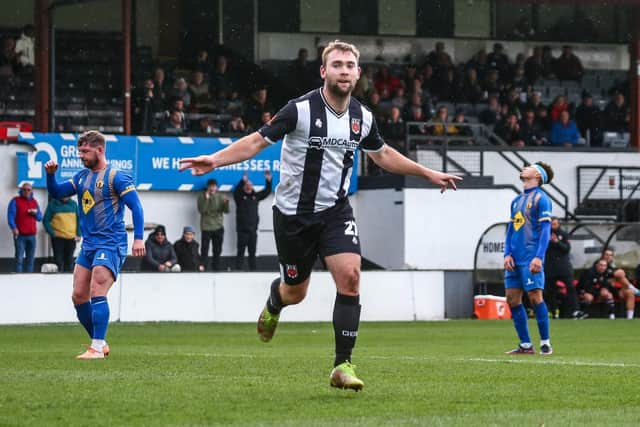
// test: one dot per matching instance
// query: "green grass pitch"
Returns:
(415, 374)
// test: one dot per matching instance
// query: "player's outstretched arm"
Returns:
(241, 150)
(57, 191)
(392, 161)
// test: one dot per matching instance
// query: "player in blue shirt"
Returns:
(525, 245)
(102, 193)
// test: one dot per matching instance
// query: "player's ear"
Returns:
(323, 71)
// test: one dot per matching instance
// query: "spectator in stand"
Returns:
(221, 79)
(394, 130)
(160, 86)
(594, 286)
(492, 84)
(146, 107)
(544, 122)
(519, 82)
(212, 205)
(374, 105)
(199, 91)
(314, 68)
(493, 114)
(429, 81)
(22, 214)
(512, 101)
(25, 48)
(299, 73)
(442, 127)
(202, 63)
(411, 74)
(175, 124)
(471, 89)
(560, 293)
(449, 88)
(534, 101)
(480, 63)
(236, 125)
(8, 58)
(439, 60)
(417, 115)
(159, 255)
(530, 130)
(461, 124)
(498, 60)
(399, 98)
(509, 131)
(247, 219)
(589, 120)
(386, 81)
(564, 131)
(418, 101)
(533, 66)
(188, 251)
(568, 65)
(181, 90)
(557, 107)
(548, 63)
(364, 85)
(616, 115)
(63, 225)
(255, 106)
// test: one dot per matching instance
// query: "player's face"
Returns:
(90, 156)
(340, 73)
(529, 177)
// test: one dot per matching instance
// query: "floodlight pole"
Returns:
(126, 71)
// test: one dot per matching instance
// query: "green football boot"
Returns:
(344, 376)
(267, 324)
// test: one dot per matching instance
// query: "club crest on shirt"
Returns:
(355, 126)
(99, 184)
(292, 271)
(318, 123)
(529, 205)
(518, 221)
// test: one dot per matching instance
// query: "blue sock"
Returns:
(84, 313)
(100, 317)
(542, 317)
(519, 315)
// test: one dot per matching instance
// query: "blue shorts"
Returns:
(113, 259)
(522, 278)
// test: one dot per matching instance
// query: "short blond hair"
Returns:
(92, 138)
(342, 46)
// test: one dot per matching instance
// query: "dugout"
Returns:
(588, 241)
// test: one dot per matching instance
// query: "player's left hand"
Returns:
(536, 265)
(198, 165)
(267, 175)
(444, 180)
(138, 248)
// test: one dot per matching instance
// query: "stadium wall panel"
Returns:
(224, 297)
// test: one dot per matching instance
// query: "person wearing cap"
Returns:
(525, 246)
(212, 205)
(159, 255)
(188, 251)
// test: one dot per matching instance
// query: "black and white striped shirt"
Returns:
(317, 150)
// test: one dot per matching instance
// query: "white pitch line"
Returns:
(528, 359)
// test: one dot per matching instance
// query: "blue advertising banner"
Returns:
(153, 162)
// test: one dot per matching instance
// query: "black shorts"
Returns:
(300, 239)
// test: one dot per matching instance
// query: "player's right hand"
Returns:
(509, 265)
(51, 167)
(198, 165)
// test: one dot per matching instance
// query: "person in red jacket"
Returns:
(22, 214)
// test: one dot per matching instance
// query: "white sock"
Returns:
(543, 342)
(98, 344)
(526, 345)
(629, 314)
